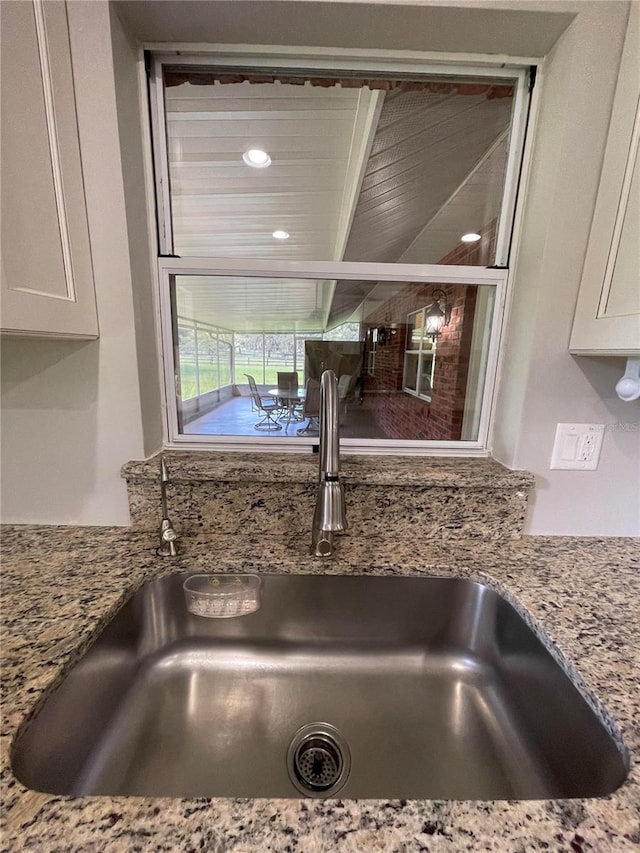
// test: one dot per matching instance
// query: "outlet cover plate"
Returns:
(577, 447)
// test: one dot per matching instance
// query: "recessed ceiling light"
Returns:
(257, 158)
(281, 235)
(471, 237)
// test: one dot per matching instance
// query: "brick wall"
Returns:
(399, 414)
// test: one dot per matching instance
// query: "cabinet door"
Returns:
(607, 317)
(47, 278)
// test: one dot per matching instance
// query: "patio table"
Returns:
(291, 397)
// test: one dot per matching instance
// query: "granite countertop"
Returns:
(448, 472)
(60, 585)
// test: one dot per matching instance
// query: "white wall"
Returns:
(71, 411)
(542, 384)
(526, 27)
(128, 99)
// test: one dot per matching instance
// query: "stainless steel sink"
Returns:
(408, 688)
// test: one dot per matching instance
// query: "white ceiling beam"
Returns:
(365, 124)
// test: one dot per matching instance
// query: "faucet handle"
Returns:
(168, 538)
(323, 546)
(169, 535)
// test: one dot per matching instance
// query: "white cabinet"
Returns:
(47, 277)
(607, 319)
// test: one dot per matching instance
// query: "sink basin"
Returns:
(389, 687)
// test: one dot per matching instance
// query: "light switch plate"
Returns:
(577, 447)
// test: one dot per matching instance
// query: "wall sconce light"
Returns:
(436, 317)
(385, 333)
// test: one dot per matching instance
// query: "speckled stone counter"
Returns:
(60, 585)
(274, 494)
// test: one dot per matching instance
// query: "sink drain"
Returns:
(318, 760)
(317, 763)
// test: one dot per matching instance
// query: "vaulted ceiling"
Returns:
(356, 174)
(425, 147)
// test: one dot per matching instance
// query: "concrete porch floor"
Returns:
(236, 417)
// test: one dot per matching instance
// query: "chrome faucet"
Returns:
(168, 535)
(330, 515)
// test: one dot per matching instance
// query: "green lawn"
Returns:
(208, 374)
(254, 367)
(208, 378)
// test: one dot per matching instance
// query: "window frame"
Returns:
(329, 270)
(238, 56)
(419, 352)
(334, 60)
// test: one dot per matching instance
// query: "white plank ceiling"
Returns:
(354, 176)
(473, 205)
(425, 147)
(246, 304)
(224, 208)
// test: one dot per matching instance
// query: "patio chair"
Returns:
(269, 409)
(311, 408)
(288, 383)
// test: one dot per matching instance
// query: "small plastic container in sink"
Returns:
(222, 596)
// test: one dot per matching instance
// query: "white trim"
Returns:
(335, 58)
(491, 375)
(420, 352)
(161, 159)
(621, 213)
(54, 152)
(352, 270)
(514, 161)
(48, 335)
(149, 173)
(169, 367)
(481, 333)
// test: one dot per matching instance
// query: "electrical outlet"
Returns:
(577, 447)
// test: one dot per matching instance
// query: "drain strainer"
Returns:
(318, 760)
(317, 764)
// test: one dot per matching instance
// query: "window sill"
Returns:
(417, 396)
(398, 471)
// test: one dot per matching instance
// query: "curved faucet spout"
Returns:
(330, 514)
